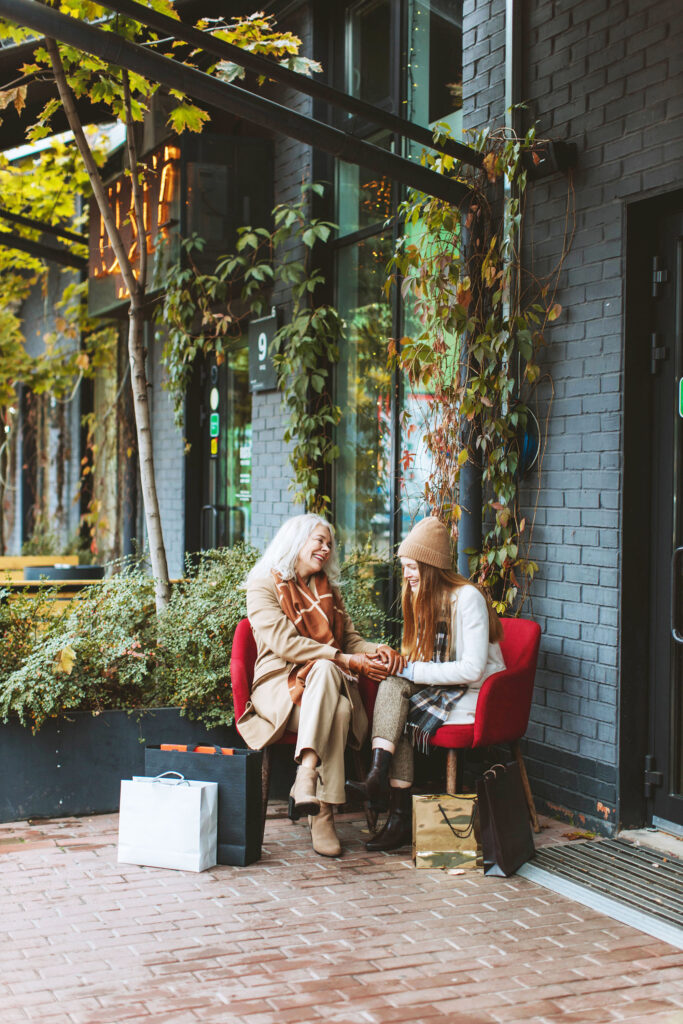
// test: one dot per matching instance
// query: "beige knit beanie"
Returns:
(428, 542)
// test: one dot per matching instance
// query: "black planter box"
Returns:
(74, 765)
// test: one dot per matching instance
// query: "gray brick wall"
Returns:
(271, 499)
(607, 76)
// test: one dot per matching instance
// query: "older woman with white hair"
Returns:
(308, 659)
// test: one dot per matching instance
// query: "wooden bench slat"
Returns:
(23, 561)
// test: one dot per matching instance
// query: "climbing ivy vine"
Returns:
(203, 313)
(477, 318)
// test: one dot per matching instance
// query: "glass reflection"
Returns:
(363, 196)
(368, 51)
(434, 88)
(238, 446)
(363, 392)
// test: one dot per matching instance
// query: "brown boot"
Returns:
(325, 839)
(302, 798)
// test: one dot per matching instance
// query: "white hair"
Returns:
(283, 550)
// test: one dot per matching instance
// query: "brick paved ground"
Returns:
(363, 940)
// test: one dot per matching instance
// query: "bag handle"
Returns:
(461, 833)
(181, 780)
(492, 770)
(191, 747)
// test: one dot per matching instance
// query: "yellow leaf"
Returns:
(554, 312)
(489, 165)
(65, 660)
(462, 457)
(82, 360)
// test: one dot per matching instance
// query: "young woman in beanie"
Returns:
(450, 638)
(308, 660)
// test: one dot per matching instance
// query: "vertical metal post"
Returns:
(469, 532)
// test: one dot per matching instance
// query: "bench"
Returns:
(12, 579)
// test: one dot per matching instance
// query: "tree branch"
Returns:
(135, 183)
(96, 183)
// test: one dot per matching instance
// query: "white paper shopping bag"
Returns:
(168, 822)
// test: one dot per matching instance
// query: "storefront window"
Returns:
(226, 442)
(363, 392)
(417, 412)
(238, 447)
(363, 196)
(368, 51)
(434, 86)
(373, 503)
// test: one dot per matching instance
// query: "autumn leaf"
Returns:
(489, 165)
(489, 275)
(83, 361)
(463, 294)
(64, 662)
(554, 311)
(17, 96)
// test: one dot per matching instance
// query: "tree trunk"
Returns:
(136, 353)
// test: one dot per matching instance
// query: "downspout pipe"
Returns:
(239, 102)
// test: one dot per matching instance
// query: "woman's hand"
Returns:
(363, 664)
(372, 667)
(394, 661)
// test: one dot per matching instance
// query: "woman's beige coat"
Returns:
(279, 647)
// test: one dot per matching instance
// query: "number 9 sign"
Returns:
(262, 373)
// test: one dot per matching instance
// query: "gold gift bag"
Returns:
(446, 831)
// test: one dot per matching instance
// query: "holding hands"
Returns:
(386, 662)
(394, 661)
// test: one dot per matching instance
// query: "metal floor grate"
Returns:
(645, 881)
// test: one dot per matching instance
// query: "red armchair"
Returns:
(503, 707)
(242, 661)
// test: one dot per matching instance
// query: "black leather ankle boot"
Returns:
(398, 829)
(375, 786)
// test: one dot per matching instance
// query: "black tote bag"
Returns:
(506, 837)
(238, 774)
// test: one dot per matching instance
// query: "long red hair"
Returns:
(430, 604)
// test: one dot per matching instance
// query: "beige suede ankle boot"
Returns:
(323, 835)
(302, 798)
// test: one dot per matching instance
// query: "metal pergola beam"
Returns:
(261, 65)
(44, 252)
(48, 229)
(239, 102)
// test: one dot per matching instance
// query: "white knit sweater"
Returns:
(473, 658)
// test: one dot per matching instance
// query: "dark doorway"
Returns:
(652, 627)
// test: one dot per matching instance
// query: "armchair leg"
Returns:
(517, 754)
(265, 785)
(370, 815)
(452, 771)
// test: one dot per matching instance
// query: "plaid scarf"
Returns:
(316, 614)
(430, 707)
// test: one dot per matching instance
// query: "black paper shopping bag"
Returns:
(238, 774)
(506, 838)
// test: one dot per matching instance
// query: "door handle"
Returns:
(678, 637)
